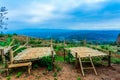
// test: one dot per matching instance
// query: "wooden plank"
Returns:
(11, 56)
(81, 66)
(76, 62)
(19, 65)
(64, 54)
(109, 59)
(93, 65)
(53, 61)
(2, 54)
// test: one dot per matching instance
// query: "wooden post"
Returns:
(3, 57)
(52, 60)
(29, 68)
(76, 62)
(27, 42)
(109, 59)
(84, 42)
(64, 54)
(51, 45)
(7, 69)
(11, 56)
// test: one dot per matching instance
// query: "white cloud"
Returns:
(38, 12)
(112, 24)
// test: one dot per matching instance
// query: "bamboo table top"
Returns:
(34, 53)
(85, 52)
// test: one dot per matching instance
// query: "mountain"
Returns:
(61, 34)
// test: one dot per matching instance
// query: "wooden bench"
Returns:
(20, 65)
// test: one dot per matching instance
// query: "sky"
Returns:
(63, 14)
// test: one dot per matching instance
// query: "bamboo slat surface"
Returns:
(85, 52)
(34, 53)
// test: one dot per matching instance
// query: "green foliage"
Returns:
(69, 57)
(35, 66)
(46, 61)
(115, 60)
(1, 35)
(78, 78)
(15, 34)
(19, 74)
(59, 58)
(7, 42)
(57, 48)
(55, 79)
(8, 77)
(55, 74)
(58, 68)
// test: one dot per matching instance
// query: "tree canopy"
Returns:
(3, 19)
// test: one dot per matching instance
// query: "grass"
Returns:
(78, 78)
(59, 58)
(115, 60)
(19, 74)
(55, 74)
(8, 77)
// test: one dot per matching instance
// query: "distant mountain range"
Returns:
(61, 34)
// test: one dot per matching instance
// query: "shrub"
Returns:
(55, 74)
(35, 66)
(19, 74)
(8, 78)
(78, 78)
(58, 68)
(46, 61)
(115, 60)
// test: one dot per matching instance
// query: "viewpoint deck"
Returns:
(34, 53)
(85, 52)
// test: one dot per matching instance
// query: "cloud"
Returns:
(37, 12)
(112, 24)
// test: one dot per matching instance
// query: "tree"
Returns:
(118, 39)
(3, 19)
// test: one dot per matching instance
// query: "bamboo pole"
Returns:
(51, 43)
(64, 54)
(76, 62)
(53, 61)
(3, 57)
(109, 59)
(11, 56)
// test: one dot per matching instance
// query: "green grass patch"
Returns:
(59, 58)
(115, 60)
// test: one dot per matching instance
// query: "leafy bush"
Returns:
(55, 74)
(58, 68)
(35, 66)
(78, 78)
(46, 61)
(115, 60)
(19, 74)
(8, 78)
(69, 57)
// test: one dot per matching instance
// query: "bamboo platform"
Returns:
(31, 54)
(83, 52)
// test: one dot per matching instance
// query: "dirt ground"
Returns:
(69, 72)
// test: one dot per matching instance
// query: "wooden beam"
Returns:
(64, 54)
(52, 60)
(20, 47)
(109, 59)
(81, 66)
(76, 62)
(11, 56)
(2, 55)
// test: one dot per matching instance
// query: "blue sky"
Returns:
(63, 14)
